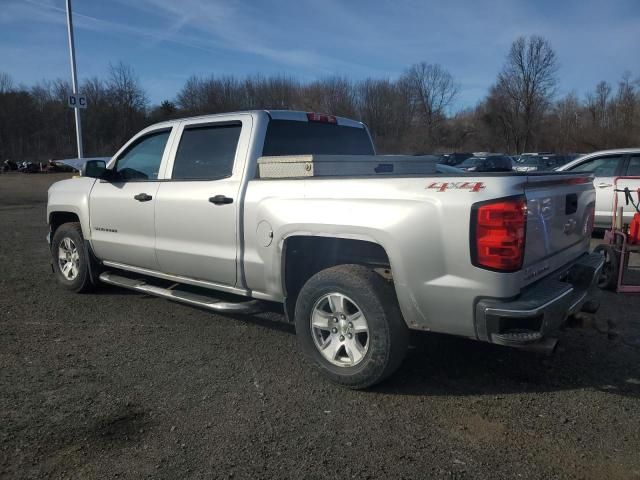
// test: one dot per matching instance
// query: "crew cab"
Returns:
(230, 211)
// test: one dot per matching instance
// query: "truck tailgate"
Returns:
(559, 220)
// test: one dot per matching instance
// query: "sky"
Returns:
(167, 41)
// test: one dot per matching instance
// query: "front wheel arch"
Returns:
(59, 218)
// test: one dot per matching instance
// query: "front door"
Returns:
(198, 204)
(122, 210)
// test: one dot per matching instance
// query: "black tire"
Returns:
(608, 279)
(388, 335)
(81, 281)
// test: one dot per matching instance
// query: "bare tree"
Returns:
(500, 116)
(336, 95)
(6, 83)
(598, 105)
(564, 124)
(432, 90)
(385, 107)
(277, 92)
(191, 98)
(526, 86)
(127, 97)
(628, 102)
(409, 115)
(124, 87)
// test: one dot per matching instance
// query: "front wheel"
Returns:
(349, 325)
(70, 259)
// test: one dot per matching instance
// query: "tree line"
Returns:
(411, 114)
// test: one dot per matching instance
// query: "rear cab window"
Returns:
(293, 137)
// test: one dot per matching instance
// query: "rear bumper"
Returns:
(541, 308)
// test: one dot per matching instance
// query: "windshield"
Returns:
(292, 137)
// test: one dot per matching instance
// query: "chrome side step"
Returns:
(173, 292)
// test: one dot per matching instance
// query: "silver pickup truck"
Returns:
(230, 211)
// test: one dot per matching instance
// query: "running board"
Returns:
(174, 293)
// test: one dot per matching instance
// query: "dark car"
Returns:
(487, 163)
(9, 166)
(453, 159)
(536, 162)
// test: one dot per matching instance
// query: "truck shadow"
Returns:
(445, 365)
(436, 364)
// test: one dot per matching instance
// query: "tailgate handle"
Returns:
(572, 204)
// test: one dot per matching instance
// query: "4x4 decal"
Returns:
(444, 186)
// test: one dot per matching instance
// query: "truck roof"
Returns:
(296, 115)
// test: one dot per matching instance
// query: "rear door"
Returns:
(122, 210)
(198, 205)
(605, 168)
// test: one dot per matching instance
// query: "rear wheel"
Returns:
(608, 279)
(70, 259)
(349, 325)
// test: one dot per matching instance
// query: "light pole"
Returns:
(74, 77)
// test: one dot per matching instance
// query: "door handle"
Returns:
(604, 185)
(143, 197)
(220, 200)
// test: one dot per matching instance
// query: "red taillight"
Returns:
(321, 117)
(499, 229)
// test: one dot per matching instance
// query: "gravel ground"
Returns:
(116, 384)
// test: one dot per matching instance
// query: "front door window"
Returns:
(141, 160)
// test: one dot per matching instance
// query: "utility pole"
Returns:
(74, 77)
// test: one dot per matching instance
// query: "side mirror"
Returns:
(94, 169)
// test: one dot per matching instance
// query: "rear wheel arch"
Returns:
(305, 255)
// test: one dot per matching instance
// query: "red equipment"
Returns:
(634, 229)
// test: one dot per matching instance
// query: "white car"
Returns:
(606, 165)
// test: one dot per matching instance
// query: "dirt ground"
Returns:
(120, 385)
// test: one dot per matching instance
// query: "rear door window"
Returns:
(291, 137)
(206, 152)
